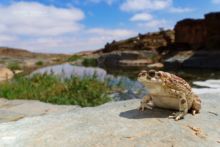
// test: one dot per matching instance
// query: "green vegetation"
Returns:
(74, 58)
(87, 91)
(89, 62)
(39, 63)
(14, 66)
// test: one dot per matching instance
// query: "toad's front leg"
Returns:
(145, 103)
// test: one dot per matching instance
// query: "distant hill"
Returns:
(15, 52)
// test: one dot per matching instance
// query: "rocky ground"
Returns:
(32, 123)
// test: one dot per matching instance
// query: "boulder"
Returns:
(116, 124)
(194, 60)
(135, 63)
(156, 65)
(122, 58)
(5, 74)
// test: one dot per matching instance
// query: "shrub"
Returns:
(87, 91)
(74, 58)
(89, 62)
(39, 63)
(14, 66)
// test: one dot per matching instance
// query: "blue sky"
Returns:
(69, 26)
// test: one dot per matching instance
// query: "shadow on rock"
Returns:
(154, 113)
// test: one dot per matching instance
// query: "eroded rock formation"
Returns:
(199, 33)
(149, 41)
(191, 31)
(212, 21)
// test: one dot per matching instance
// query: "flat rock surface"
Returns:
(13, 110)
(113, 124)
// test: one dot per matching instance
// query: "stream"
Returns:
(201, 80)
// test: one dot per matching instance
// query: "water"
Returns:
(205, 80)
(190, 75)
(132, 88)
(68, 70)
(209, 86)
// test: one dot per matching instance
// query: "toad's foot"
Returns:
(145, 103)
(177, 116)
(144, 106)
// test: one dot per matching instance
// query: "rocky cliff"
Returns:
(149, 41)
(191, 31)
(199, 33)
(212, 21)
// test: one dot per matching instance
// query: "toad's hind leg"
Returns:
(183, 108)
(196, 105)
(145, 103)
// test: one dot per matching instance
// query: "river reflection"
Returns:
(67, 70)
(132, 88)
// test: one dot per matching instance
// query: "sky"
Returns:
(70, 26)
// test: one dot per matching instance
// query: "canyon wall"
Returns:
(199, 33)
(212, 21)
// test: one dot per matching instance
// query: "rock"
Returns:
(199, 33)
(191, 31)
(155, 65)
(12, 110)
(116, 124)
(18, 71)
(149, 41)
(135, 63)
(55, 59)
(193, 60)
(177, 60)
(5, 74)
(209, 86)
(122, 58)
(213, 31)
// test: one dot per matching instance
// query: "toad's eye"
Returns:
(159, 74)
(141, 74)
(152, 73)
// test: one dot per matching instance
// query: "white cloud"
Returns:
(142, 10)
(141, 17)
(153, 5)
(43, 28)
(180, 10)
(111, 32)
(6, 38)
(216, 1)
(140, 5)
(89, 39)
(154, 25)
(29, 18)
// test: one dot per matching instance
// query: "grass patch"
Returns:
(39, 63)
(49, 88)
(90, 62)
(14, 66)
(74, 58)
